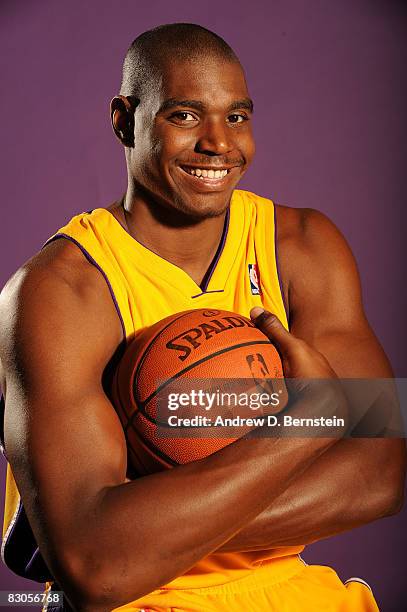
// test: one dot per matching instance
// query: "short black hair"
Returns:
(182, 40)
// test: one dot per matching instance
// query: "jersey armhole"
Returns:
(94, 263)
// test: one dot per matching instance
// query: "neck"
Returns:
(188, 243)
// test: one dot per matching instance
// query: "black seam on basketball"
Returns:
(153, 449)
(141, 405)
(148, 347)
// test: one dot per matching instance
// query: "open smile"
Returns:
(206, 178)
(204, 173)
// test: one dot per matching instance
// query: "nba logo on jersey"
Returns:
(254, 279)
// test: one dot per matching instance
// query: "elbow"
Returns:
(396, 481)
(390, 482)
(90, 595)
(84, 583)
(389, 497)
(94, 584)
(394, 501)
(379, 503)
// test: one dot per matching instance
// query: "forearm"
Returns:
(354, 482)
(166, 521)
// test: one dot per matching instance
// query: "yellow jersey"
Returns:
(146, 288)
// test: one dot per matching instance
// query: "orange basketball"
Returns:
(215, 350)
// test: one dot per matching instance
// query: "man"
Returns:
(224, 533)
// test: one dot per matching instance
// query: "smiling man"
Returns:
(224, 533)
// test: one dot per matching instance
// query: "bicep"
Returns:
(326, 303)
(62, 436)
(327, 311)
(62, 448)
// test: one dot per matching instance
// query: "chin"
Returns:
(203, 207)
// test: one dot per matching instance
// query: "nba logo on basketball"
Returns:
(254, 277)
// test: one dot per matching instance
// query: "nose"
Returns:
(214, 138)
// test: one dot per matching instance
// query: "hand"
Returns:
(314, 390)
(299, 359)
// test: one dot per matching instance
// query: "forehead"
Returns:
(209, 79)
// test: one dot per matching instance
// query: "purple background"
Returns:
(328, 80)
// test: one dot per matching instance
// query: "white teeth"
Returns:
(211, 174)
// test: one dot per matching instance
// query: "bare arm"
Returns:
(357, 480)
(98, 533)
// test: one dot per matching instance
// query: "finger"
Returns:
(272, 327)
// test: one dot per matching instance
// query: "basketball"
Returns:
(215, 350)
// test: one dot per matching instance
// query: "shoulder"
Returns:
(316, 263)
(296, 227)
(59, 266)
(306, 236)
(306, 228)
(56, 292)
(307, 240)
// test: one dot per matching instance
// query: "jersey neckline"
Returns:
(215, 278)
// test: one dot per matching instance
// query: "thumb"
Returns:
(272, 327)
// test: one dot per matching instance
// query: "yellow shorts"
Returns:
(283, 585)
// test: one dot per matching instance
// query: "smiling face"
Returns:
(192, 136)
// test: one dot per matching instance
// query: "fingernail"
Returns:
(256, 312)
(260, 316)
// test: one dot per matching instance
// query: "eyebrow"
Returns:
(246, 103)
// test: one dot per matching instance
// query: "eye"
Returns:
(183, 117)
(237, 118)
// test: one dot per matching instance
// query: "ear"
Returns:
(122, 117)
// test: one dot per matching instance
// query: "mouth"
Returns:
(206, 173)
(207, 179)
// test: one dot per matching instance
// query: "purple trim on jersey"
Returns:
(205, 293)
(211, 269)
(277, 265)
(2, 414)
(33, 559)
(94, 263)
(16, 517)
